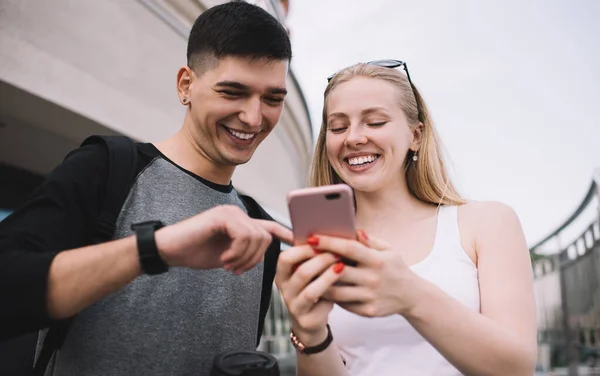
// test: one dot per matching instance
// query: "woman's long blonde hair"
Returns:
(427, 179)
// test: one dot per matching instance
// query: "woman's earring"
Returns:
(184, 100)
(415, 158)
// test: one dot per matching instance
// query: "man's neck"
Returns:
(182, 150)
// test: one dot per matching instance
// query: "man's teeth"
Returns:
(240, 135)
(361, 160)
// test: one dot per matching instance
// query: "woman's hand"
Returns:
(303, 275)
(380, 285)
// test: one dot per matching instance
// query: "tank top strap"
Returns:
(448, 234)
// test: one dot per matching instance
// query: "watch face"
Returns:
(296, 342)
(153, 224)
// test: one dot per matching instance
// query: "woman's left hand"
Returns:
(380, 285)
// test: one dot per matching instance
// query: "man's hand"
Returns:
(220, 237)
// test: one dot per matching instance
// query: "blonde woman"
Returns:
(442, 287)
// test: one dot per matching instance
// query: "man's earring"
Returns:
(184, 100)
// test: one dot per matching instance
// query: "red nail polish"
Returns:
(313, 240)
(363, 234)
(338, 267)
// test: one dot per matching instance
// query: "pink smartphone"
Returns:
(326, 210)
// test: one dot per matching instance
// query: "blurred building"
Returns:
(69, 69)
(567, 287)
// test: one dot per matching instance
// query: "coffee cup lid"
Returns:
(245, 363)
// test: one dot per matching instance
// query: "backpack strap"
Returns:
(270, 262)
(122, 161)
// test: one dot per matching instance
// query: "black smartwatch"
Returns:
(149, 258)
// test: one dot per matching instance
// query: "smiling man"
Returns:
(167, 293)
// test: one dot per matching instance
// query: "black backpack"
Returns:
(122, 154)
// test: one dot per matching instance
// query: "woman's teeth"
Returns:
(357, 161)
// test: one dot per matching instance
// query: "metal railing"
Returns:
(275, 339)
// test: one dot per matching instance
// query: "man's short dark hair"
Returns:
(236, 29)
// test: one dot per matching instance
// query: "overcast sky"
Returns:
(513, 87)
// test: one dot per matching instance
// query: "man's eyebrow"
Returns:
(241, 86)
(277, 90)
(233, 85)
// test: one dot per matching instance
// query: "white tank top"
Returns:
(390, 345)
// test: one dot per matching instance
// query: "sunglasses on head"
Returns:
(386, 63)
(391, 63)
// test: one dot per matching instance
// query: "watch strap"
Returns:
(150, 260)
(301, 347)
